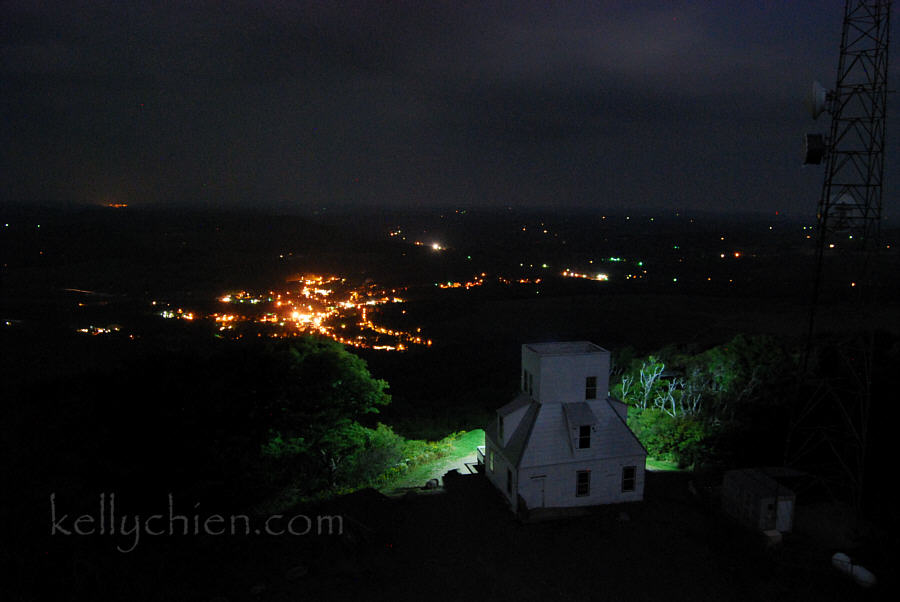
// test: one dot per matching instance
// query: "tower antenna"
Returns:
(849, 211)
(848, 232)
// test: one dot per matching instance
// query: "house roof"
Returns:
(756, 483)
(578, 414)
(543, 435)
(565, 348)
(515, 446)
(521, 400)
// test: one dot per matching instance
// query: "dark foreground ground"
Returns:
(463, 543)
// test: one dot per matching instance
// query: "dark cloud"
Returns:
(299, 104)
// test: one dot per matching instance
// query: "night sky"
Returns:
(290, 106)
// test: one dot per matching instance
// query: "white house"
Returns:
(562, 441)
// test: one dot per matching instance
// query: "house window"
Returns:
(584, 436)
(628, 473)
(500, 428)
(590, 387)
(582, 483)
(530, 383)
(509, 481)
(491, 460)
(524, 380)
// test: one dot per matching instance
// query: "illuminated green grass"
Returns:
(463, 449)
(662, 465)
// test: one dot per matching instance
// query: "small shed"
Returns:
(757, 500)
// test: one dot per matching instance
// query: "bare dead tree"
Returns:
(691, 400)
(665, 399)
(678, 399)
(627, 382)
(648, 377)
(332, 462)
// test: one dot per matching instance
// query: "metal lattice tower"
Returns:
(850, 204)
(849, 210)
(849, 231)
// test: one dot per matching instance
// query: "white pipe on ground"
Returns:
(858, 573)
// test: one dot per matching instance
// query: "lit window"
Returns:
(590, 387)
(583, 483)
(584, 436)
(628, 473)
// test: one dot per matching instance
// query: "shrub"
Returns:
(682, 439)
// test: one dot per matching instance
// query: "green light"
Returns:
(640, 263)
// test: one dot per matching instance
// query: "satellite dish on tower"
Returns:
(814, 148)
(815, 101)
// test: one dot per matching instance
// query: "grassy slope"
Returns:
(463, 450)
(654, 464)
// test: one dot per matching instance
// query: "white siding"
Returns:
(563, 377)
(531, 364)
(560, 377)
(560, 479)
(498, 475)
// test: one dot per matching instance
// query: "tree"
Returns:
(326, 386)
(324, 393)
(744, 369)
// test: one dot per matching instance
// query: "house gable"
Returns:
(515, 442)
(509, 417)
(552, 439)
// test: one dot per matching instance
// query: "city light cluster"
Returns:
(98, 330)
(324, 305)
(477, 280)
(601, 277)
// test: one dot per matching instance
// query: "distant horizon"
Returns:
(345, 209)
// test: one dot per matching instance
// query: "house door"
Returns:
(783, 518)
(538, 482)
